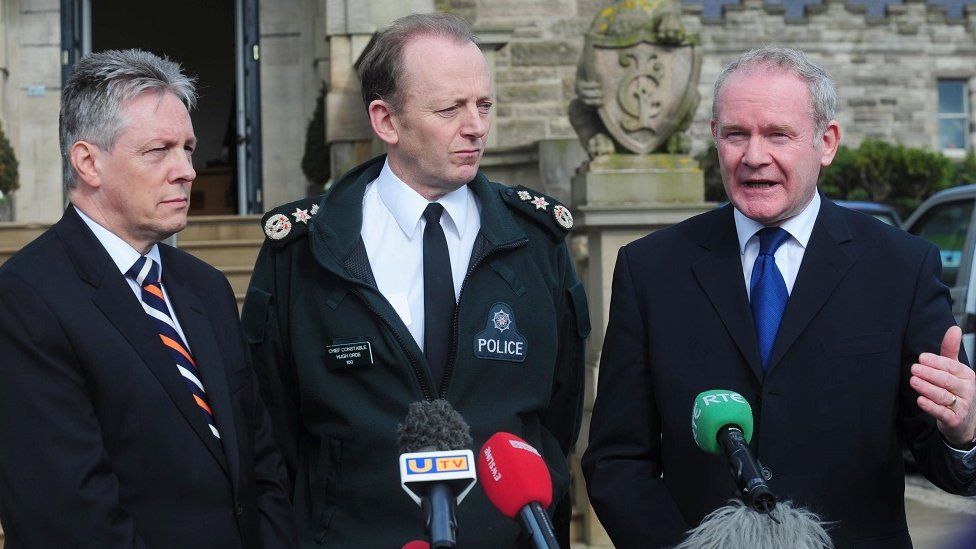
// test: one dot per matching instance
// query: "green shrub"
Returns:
(888, 173)
(708, 160)
(9, 178)
(965, 172)
(315, 161)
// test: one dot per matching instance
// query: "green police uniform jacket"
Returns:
(339, 369)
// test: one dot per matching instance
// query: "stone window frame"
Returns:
(965, 115)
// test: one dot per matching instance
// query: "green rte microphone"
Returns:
(721, 422)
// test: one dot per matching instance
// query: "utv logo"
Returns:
(444, 464)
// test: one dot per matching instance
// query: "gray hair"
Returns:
(100, 84)
(823, 96)
(381, 67)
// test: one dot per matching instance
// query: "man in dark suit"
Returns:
(825, 320)
(129, 414)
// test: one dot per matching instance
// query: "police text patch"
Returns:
(500, 340)
(355, 352)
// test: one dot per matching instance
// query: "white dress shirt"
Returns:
(789, 256)
(124, 257)
(393, 233)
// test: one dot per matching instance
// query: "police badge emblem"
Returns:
(500, 340)
(501, 320)
(563, 217)
(277, 226)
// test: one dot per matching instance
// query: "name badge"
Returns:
(349, 353)
(500, 340)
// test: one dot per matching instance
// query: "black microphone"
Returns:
(436, 465)
(722, 421)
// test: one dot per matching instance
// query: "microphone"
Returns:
(436, 468)
(516, 480)
(721, 421)
(416, 544)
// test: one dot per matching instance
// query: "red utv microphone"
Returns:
(516, 480)
(416, 544)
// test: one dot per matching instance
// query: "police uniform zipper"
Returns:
(403, 345)
(452, 356)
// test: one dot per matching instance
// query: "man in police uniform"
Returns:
(362, 303)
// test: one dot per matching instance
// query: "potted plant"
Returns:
(9, 179)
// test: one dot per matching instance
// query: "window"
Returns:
(953, 115)
(945, 225)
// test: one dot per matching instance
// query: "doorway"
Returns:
(217, 43)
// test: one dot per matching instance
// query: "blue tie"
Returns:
(768, 291)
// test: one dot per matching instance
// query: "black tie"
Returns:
(438, 292)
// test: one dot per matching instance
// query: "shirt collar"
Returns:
(119, 250)
(799, 226)
(407, 205)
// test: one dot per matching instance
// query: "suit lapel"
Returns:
(203, 345)
(113, 296)
(719, 273)
(828, 257)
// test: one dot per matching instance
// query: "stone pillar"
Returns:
(350, 24)
(30, 79)
(617, 199)
(292, 45)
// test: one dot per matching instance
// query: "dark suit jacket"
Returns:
(829, 410)
(102, 445)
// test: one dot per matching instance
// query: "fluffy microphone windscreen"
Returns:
(738, 525)
(513, 474)
(433, 426)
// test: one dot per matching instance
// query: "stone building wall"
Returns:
(886, 68)
(293, 65)
(886, 65)
(30, 80)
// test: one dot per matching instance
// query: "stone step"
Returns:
(221, 227)
(230, 243)
(6, 252)
(16, 235)
(239, 277)
(208, 227)
(220, 253)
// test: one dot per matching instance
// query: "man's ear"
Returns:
(84, 159)
(829, 143)
(381, 118)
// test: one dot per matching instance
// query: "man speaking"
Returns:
(128, 412)
(834, 327)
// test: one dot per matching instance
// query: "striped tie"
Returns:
(146, 273)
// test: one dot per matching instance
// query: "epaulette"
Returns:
(289, 221)
(543, 209)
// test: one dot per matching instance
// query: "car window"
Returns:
(886, 217)
(945, 225)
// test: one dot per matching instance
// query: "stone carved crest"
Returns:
(637, 80)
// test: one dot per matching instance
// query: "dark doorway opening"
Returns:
(201, 37)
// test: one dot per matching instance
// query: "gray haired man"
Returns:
(129, 413)
(834, 327)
